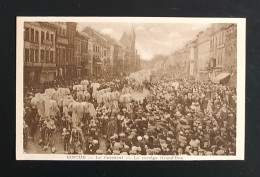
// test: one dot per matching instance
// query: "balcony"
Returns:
(62, 40)
(47, 42)
(51, 65)
(32, 64)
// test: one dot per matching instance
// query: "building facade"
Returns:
(192, 58)
(203, 54)
(217, 49)
(81, 54)
(71, 32)
(61, 50)
(39, 52)
(230, 62)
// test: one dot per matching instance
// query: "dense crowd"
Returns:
(163, 113)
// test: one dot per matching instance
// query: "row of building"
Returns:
(212, 55)
(57, 50)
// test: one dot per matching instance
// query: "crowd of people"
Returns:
(173, 115)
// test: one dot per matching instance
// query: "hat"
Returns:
(124, 153)
(208, 153)
(149, 151)
(223, 129)
(99, 151)
(132, 152)
(122, 134)
(125, 149)
(157, 150)
(95, 141)
(163, 142)
(146, 137)
(139, 138)
(116, 152)
(220, 152)
(93, 129)
(134, 148)
(214, 146)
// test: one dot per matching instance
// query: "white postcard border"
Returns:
(241, 60)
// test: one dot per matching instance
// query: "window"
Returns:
(51, 57)
(52, 38)
(26, 55)
(42, 36)
(57, 55)
(61, 55)
(42, 56)
(72, 54)
(26, 36)
(220, 59)
(32, 35)
(47, 36)
(63, 32)
(31, 55)
(36, 55)
(64, 56)
(36, 36)
(47, 56)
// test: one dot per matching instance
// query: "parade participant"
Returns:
(65, 138)
(112, 126)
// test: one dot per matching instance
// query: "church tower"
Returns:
(133, 51)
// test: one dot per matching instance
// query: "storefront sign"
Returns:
(62, 41)
(47, 42)
(34, 46)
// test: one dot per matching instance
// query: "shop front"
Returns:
(97, 66)
(31, 74)
(47, 75)
(222, 78)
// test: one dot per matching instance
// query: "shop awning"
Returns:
(222, 78)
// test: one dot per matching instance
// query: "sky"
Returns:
(151, 38)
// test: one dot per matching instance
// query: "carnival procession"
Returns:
(181, 107)
(143, 113)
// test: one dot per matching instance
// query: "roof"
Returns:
(85, 34)
(99, 35)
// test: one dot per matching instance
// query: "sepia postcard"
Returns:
(130, 88)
